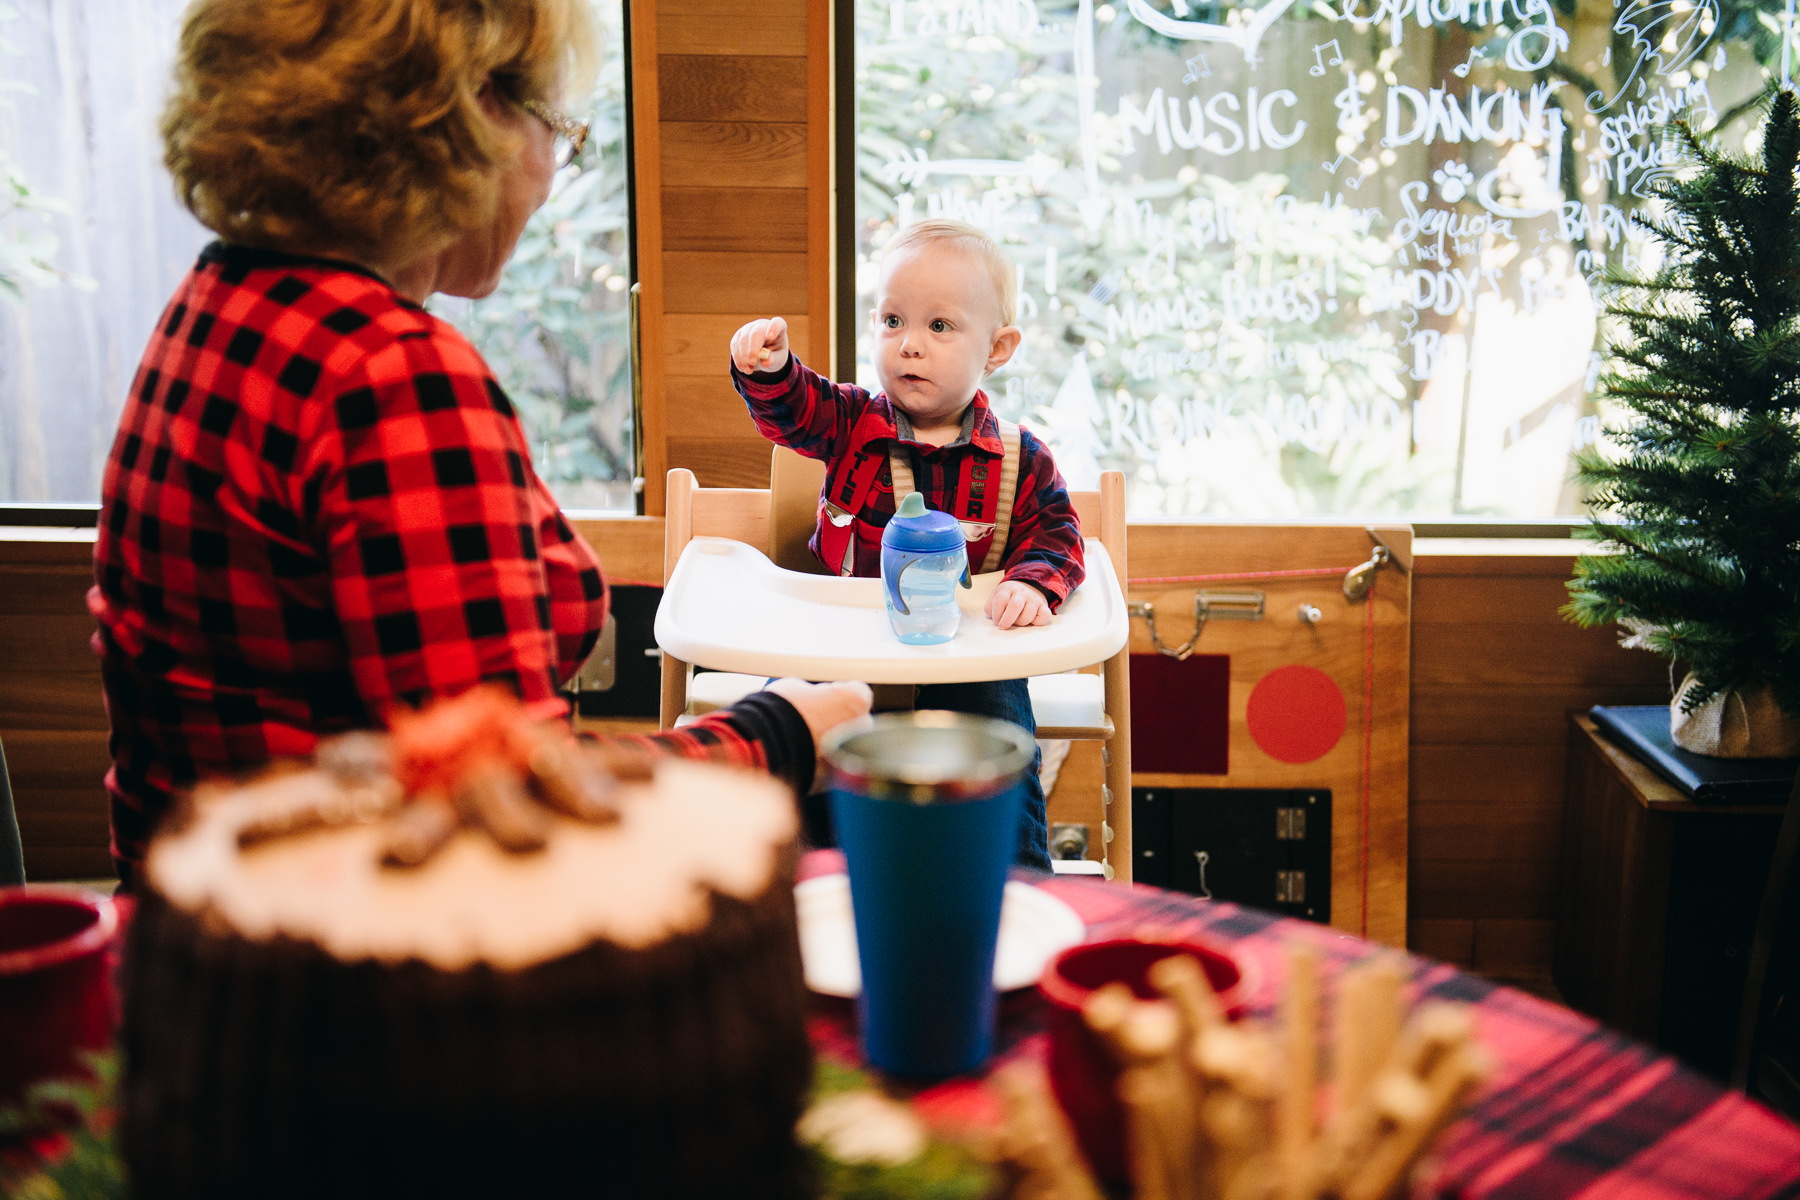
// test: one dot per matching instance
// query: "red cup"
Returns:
(56, 993)
(1082, 1072)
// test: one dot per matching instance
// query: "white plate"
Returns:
(1034, 927)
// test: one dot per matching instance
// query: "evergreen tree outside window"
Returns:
(1306, 257)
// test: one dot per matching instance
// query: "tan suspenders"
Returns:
(900, 468)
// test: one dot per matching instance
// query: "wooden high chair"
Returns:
(778, 521)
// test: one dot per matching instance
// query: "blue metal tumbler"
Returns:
(926, 806)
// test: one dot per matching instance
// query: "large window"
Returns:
(93, 241)
(1307, 257)
(558, 332)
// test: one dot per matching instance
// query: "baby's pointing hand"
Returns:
(1016, 603)
(761, 346)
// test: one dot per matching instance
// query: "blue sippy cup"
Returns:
(923, 558)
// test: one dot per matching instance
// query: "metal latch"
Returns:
(1290, 887)
(1221, 606)
(1358, 580)
(1290, 824)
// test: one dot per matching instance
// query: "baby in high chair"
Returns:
(943, 317)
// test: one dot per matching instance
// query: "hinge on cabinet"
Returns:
(1290, 824)
(1290, 887)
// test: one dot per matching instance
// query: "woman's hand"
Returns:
(1015, 603)
(761, 346)
(824, 706)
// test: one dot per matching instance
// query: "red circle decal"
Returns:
(1296, 714)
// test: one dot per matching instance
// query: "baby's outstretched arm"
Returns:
(761, 346)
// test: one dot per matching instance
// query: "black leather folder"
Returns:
(1642, 730)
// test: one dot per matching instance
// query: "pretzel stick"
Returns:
(1368, 1024)
(1142, 1036)
(1106, 1011)
(1153, 1039)
(1201, 1095)
(492, 798)
(1180, 979)
(571, 786)
(1455, 1074)
(419, 831)
(1037, 1138)
(1398, 1098)
(1294, 1103)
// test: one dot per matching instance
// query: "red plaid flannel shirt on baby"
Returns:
(843, 424)
(320, 504)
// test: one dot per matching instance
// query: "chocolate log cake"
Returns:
(382, 975)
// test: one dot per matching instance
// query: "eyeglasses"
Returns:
(571, 135)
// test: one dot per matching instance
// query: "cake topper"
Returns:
(477, 760)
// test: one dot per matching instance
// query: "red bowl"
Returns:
(56, 994)
(1082, 1072)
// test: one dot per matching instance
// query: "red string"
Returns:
(1368, 749)
(1309, 571)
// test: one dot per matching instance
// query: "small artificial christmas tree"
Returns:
(1701, 502)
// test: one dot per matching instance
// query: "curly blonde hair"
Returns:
(355, 126)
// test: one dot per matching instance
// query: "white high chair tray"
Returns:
(729, 608)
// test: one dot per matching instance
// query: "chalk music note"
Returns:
(1462, 72)
(1196, 74)
(1337, 56)
(1353, 184)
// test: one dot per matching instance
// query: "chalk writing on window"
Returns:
(1308, 256)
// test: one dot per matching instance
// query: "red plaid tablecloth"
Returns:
(1572, 1110)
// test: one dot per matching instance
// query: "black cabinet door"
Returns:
(1266, 847)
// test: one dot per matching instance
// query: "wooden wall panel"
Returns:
(752, 220)
(745, 154)
(774, 27)
(52, 718)
(709, 404)
(718, 87)
(698, 344)
(755, 282)
(1496, 669)
(725, 462)
(630, 548)
(739, 153)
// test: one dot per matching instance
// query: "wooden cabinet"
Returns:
(1658, 901)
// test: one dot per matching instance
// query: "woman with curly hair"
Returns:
(320, 503)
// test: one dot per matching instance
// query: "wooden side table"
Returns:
(1658, 902)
